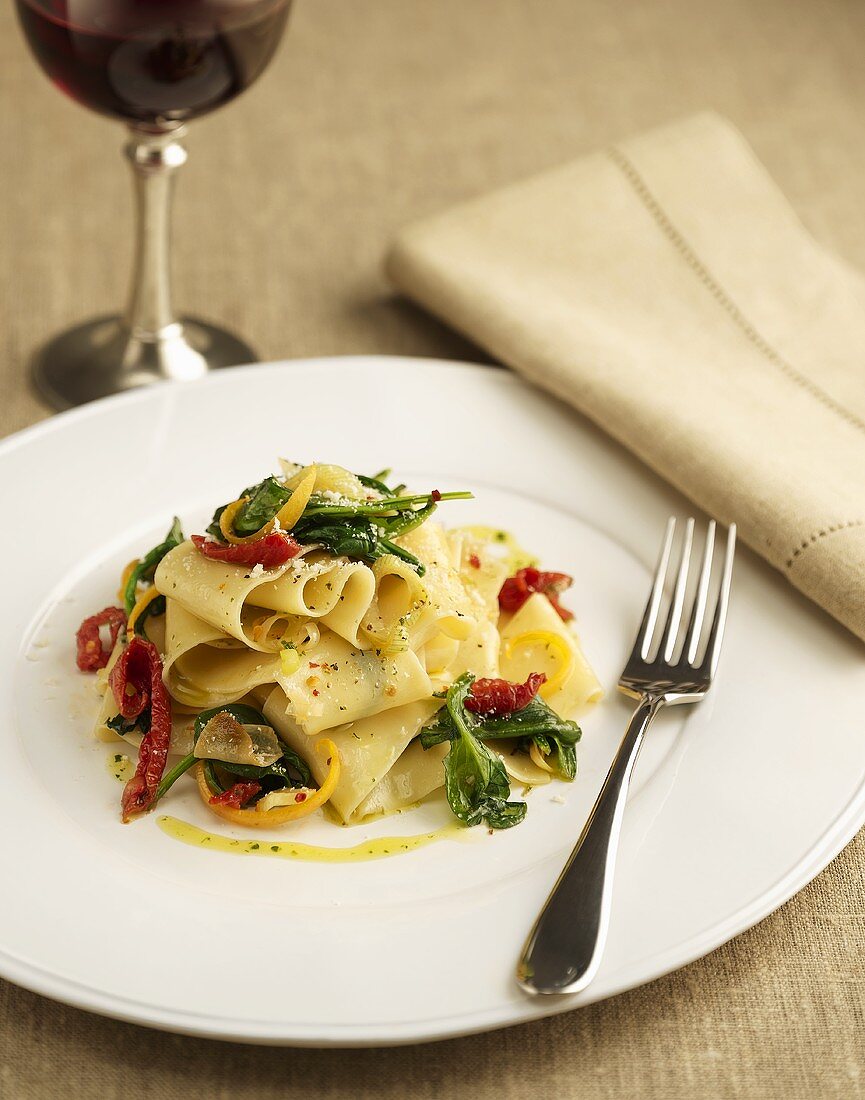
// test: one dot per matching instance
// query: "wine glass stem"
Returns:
(155, 158)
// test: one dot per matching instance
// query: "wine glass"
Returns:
(153, 64)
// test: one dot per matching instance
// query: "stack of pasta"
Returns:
(355, 641)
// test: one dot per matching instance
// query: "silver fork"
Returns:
(564, 948)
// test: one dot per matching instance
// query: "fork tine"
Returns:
(716, 634)
(646, 630)
(674, 617)
(701, 599)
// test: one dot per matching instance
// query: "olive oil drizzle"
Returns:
(120, 766)
(378, 848)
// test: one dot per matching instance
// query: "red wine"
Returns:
(153, 61)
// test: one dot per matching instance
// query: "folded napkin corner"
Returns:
(666, 289)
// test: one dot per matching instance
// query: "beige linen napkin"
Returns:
(666, 289)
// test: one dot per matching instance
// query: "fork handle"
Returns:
(563, 951)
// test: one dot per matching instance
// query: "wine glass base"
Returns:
(103, 357)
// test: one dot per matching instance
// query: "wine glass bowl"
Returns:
(153, 62)
(154, 65)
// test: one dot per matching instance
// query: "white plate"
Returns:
(737, 804)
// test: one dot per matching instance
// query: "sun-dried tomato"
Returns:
(274, 549)
(136, 681)
(91, 653)
(498, 698)
(237, 794)
(525, 582)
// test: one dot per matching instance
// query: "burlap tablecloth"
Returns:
(376, 113)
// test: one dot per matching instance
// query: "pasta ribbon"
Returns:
(556, 645)
(287, 516)
(311, 644)
(400, 598)
(144, 600)
(279, 815)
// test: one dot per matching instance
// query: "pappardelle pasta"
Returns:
(325, 643)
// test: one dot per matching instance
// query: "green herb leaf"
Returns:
(146, 568)
(265, 500)
(352, 538)
(566, 759)
(125, 726)
(476, 782)
(213, 529)
(362, 530)
(383, 509)
(154, 608)
(388, 547)
(376, 482)
(289, 771)
(536, 722)
(407, 521)
(536, 718)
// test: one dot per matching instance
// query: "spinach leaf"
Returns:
(476, 782)
(362, 530)
(408, 520)
(388, 547)
(213, 529)
(536, 718)
(376, 482)
(212, 778)
(354, 538)
(265, 500)
(442, 730)
(124, 726)
(566, 759)
(146, 567)
(536, 722)
(383, 509)
(154, 608)
(357, 538)
(290, 770)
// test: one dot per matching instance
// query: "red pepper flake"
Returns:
(524, 583)
(136, 681)
(300, 796)
(474, 561)
(314, 664)
(435, 495)
(315, 691)
(237, 794)
(274, 549)
(91, 654)
(498, 698)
